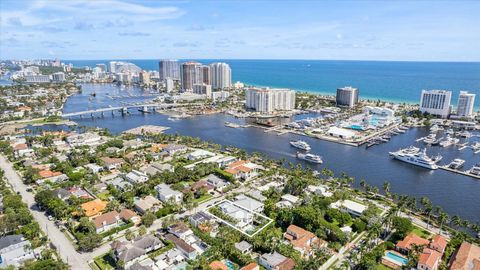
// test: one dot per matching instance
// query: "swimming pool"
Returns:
(397, 258)
(230, 265)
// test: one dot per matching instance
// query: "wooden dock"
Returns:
(466, 173)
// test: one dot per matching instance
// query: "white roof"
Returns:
(341, 131)
(290, 198)
(351, 205)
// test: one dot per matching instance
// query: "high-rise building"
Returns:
(267, 100)
(57, 63)
(221, 75)
(58, 77)
(202, 89)
(347, 96)
(436, 102)
(112, 66)
(205, 74)
(169, 84)
(144, 77)
(465, 104)
(169, 68)
(190, 75)
(37, 79)
(102, 67)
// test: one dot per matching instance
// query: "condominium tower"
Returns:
(169, 68)
(191, 75)
(465, 104)
(436, 102)
(221, 75)
(347, 96)
(267, 100)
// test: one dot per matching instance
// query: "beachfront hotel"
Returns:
(268, 100)
(436, 102)
(465, 104)
(347, 96)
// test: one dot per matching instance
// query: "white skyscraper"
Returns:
(169, 68)
(465, 104)
(267, 100)
(347, 96)
(221, 75)
(436, 102)
(113, 64)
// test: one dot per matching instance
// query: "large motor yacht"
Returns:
(310, 158)
(415, 156)
(300, 145)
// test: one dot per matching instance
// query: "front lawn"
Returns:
(421, 232)
(105, 262)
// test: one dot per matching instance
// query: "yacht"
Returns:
(435, 128)
(430, 139)
(449, 131)
(456, 163)
(310, 158)
(300, 145)
(449, 141)
(475, 169)
(415, 156)
(465, 134)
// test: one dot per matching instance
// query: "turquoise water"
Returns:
(393, 81)
(230, 265)
(397, 258)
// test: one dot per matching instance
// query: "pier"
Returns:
(466, 173)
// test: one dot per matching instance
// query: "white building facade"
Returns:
(268, 100)
(465, 104)
(436, 102)
(347, 96)
(221, 75)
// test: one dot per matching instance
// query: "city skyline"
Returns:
(398, 31)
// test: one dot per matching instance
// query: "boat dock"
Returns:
(466, 173)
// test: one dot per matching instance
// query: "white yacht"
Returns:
(300, 145)
(465, 134)
(456, 163)
(435, 128)
(450, 131)
(415, 156)
(449, 141)
(430, 139)
(310, 158)
(475, 169)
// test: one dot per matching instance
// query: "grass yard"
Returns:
(105, 262)
(382, 267)
(421, 232)
(205, 197)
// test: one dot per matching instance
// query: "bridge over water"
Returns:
(124, 109)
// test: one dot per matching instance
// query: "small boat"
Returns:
(435, 128)
(475, 170)
(300, 145)
(449, 141)
(456, 163)
(465, 134)
(450, 132)
(232, 125)
(310, 158)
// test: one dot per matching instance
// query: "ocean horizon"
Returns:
(394, 81)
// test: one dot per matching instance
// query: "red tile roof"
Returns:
(467, 257)
(410, 240)
(430, 258)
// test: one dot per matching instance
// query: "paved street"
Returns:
(64, 246)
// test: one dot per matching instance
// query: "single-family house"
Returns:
(199, 154)
(93, 208)
(157, 167)
(249, 203)
(112, 163)
(244, 247)
(251, 266)
(188, 251)
(200, 218)
(14, 250)
(243, 170)
(180, 230)
(94, 168)
(131, 252)
(302, 240)
(351, 207)
(173, 149)
(276, 261)
(216, 182)
(466, 257)
(121, 184)
(136, 177)
(166, 194)
(148, 203)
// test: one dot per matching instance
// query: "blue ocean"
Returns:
(392, 81)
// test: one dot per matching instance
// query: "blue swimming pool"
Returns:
(397, 258)
(230, 265)
(357, 127)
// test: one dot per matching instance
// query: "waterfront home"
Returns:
(88, 139)
(136, 177)
(14, 250)
(466, 257)
(249, 203)
(131, 252)
(438, 243)
(167, 194)
(199, 154)
(302, 240)
(319, 190)
(188, 251)
(244, 247)
(157, 167)
(173, 149)
(276, 261)
(112, 163)
(243, 170)
(429, 259)
(405, 245)
(351, 207)
(93, 208)
(216, 182)
(148, 203)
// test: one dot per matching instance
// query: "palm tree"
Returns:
(456, 220)
(375, 190)
(363, 183)
(442, 218)
(386, 188)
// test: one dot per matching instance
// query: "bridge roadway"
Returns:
(121, 108)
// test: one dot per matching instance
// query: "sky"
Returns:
(327, 30)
